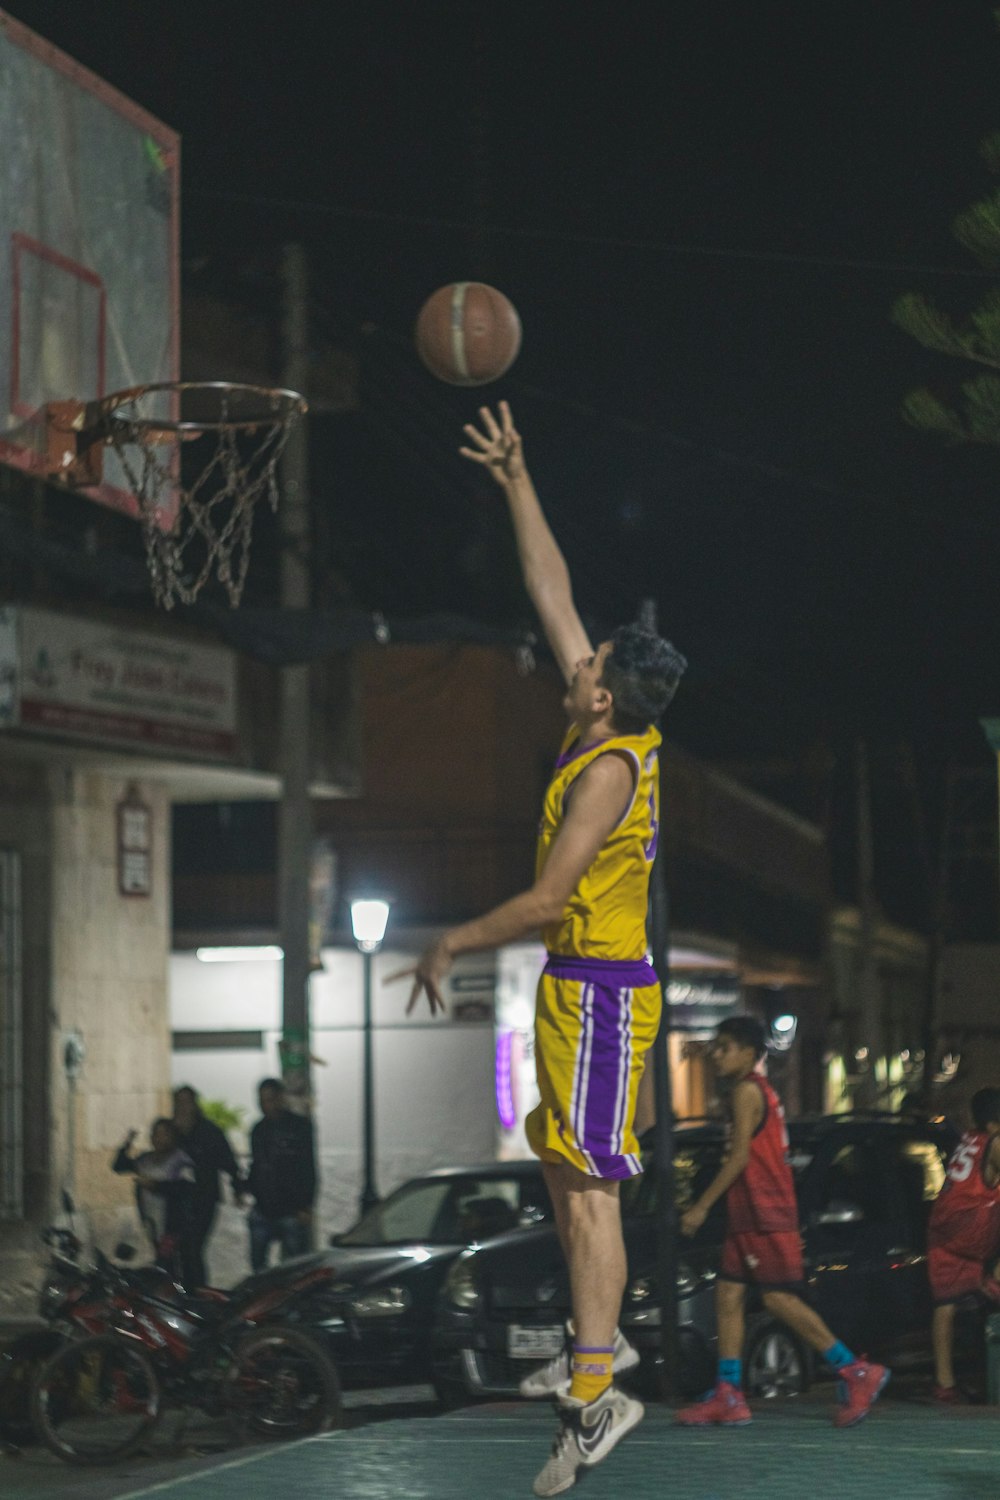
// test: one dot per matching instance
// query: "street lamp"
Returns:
(368, 922)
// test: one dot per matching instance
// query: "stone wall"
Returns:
(109, 986)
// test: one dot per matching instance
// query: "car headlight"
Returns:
(461, 1286)
(384, 1302)
(642, 1294)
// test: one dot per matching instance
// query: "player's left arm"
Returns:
(991, 1166)
(600, 796)
(748, 1111)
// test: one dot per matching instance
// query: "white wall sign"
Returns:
(135, 848)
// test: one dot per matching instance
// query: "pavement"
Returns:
(906, 1448)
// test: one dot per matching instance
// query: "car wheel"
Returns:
(775, 1361)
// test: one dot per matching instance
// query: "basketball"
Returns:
(468, 333)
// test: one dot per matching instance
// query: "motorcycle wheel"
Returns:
(95, 1400)
(279, 1385)
(19, 1368)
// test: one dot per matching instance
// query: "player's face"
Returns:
(583, 690)
(730, 1058)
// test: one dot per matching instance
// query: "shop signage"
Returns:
(108, 684)
(698, 1002)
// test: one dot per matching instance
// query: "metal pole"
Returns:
(663, 1127)
(867, 983)
(295, 813)
(938, 904)
(369, 1196)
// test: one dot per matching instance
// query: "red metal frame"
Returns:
(23, 244)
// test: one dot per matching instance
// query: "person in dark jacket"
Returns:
(164, 1191)
(211, 1153)
(282, 1178)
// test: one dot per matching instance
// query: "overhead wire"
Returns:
(597, 241)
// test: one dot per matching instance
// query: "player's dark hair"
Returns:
(271, 1083)
(641, 672)
(745, 1031)
(985, 1107)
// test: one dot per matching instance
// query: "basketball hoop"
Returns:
(199, 456)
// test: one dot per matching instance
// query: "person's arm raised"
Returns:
(546, 577)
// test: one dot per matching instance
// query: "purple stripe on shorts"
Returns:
(599, 1113)
(611, 973)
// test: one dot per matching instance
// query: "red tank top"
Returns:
(762, 1199)
(967, 1196)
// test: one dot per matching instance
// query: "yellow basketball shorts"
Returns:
(595, 1020)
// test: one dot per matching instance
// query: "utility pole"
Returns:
(294, 810)
(663, 1127)
(936, 895)
(866, 969)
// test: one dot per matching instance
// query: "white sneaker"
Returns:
(587, 1434)
(555, 1376)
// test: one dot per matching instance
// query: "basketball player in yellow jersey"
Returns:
(598, 1000)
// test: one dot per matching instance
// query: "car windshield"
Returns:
(452, 1211)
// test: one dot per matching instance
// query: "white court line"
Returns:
(234, 1463)
(707, 1441)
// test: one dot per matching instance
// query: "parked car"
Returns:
(390, 1266)
(865, 1184)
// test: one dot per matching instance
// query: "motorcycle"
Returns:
(21, 1359)
(131, 1340)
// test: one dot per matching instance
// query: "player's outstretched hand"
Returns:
(497, 446)
(427, 975)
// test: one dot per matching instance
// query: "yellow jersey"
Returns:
(606, 914)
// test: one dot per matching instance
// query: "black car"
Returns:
(391, 1264)
(865, 1185)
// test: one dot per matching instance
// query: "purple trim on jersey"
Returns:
(630, 973)
(571, 754)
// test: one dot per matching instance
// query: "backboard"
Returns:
(89, 274)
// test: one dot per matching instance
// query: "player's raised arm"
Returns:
(497, 446)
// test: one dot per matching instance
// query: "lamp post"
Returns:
(368, 923)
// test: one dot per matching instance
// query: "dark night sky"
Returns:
(703, 210)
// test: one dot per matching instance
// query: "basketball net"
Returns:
(213, 468)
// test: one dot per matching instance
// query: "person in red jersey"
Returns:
(763, 1245)
(964, 1232)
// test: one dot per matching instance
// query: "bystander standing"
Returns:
(282, 1178)
(207, 1146)
(164, 1191)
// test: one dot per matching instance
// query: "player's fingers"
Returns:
(480, 440)
(414, 995)
(490, 422)
(399, 974)
(477, 458)
(507, 420)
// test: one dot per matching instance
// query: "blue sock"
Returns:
(730, 1371)
(838, 1355)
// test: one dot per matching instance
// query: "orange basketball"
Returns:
(468, 333)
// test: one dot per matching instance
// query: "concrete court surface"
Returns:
(904, 1451)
